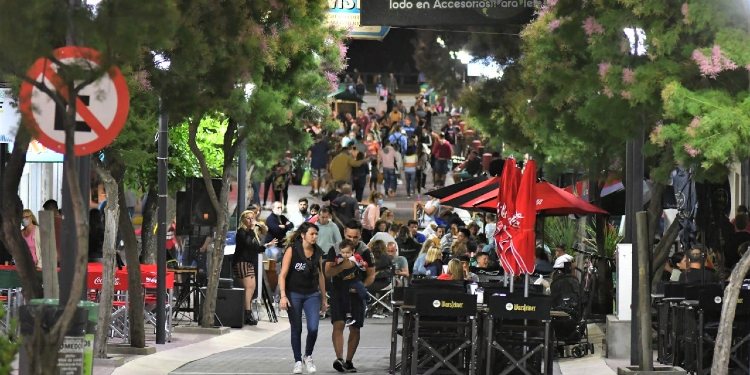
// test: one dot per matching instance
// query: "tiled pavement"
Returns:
(274, 355)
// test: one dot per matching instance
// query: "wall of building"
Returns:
(40, 182)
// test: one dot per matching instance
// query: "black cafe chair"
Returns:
(444, 332)
(523, 336)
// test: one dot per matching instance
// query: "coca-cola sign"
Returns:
(98, 280)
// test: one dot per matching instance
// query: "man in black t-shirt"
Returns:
(352, 232)
(696, 272)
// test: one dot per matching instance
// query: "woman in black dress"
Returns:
(245, 259)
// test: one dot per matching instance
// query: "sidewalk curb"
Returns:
(125, 349)
(217, 331)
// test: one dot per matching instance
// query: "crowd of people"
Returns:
(382, 150)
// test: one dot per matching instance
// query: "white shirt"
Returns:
(561, 260)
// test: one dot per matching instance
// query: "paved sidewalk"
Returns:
(165, 361)
(274, 354)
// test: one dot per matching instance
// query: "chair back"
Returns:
(420, 286)
(514, 306)
(94, 280)
(451, 304)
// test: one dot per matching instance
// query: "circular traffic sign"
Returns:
(101, 106)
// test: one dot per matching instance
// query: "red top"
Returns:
(444, 150)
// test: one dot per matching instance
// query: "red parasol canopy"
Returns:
(445, 191)
(481, 187)
(550, 200)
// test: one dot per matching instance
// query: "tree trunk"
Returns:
(249, 190)
(231, 141)
(661, 251)
(135, 290)
(723, 345)
(45, 361)
(108, 275)
(148, 243)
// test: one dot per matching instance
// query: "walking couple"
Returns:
(303, 288)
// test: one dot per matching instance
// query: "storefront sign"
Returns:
(344, 14)
(447, 12)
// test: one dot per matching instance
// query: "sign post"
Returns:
(101, 107)
(101, 111)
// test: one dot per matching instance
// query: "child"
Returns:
(350, 278)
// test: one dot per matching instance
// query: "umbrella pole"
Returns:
(525, 321)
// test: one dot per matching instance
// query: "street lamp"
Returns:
(162, 63)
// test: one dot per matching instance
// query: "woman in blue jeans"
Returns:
(302, 287)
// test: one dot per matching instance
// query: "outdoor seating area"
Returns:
(11, 297)
(448, 328)
(687, 325)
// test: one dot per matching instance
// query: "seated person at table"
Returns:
(353, 265)
(542, 263)
(455, 271)
(673, 267)
(484, 267)
(693, 274)
(468, 275)
(433, 262)
(400, 264)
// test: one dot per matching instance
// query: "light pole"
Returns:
(634, 173)
(162, 169)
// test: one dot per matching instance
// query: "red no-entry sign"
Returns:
(101, 107)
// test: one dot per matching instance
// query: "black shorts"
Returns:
(357, 309)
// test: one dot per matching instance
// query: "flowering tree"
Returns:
(594, 74)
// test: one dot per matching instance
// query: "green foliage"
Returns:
(611, 239)
(8, 345)
(280, 49)
(560, 230)
(182, 162)
(705, 127)
(576, 91)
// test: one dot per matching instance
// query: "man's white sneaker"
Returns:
(297, 367)
(309, 364)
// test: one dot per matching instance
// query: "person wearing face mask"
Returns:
(371, 215)
(30, 234)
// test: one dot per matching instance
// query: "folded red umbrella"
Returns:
(524, 239)
(507, 218)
